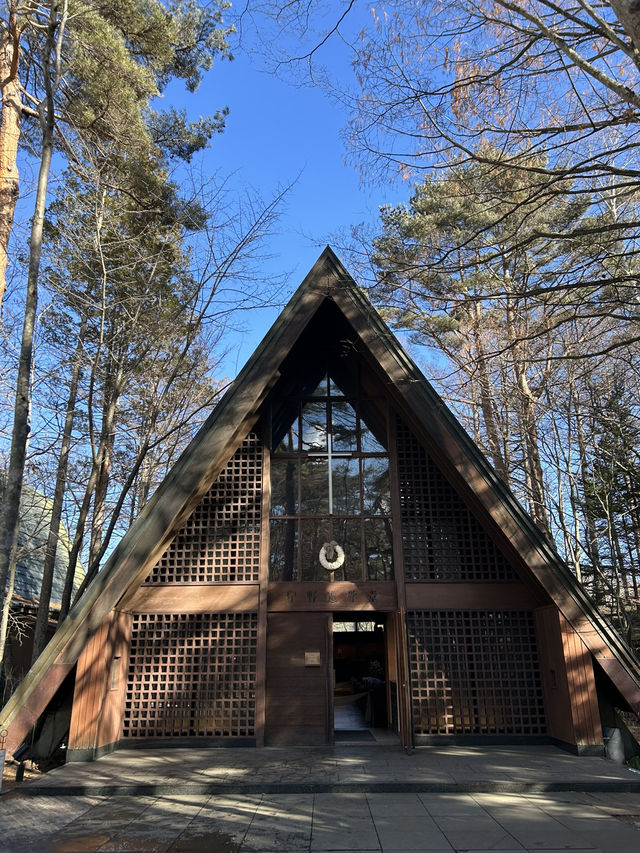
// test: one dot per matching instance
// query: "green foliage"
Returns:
(179, 138)
(469, 240)
(198, 39)
(118, 56)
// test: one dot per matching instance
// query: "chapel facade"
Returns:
(331, 547)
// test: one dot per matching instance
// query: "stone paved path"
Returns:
(315, 823)
(340, 799)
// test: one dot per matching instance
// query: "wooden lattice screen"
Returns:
(191, 675)
(220, 543)
(475, 672)
(441, 540)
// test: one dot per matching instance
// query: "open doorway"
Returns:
(361, 698)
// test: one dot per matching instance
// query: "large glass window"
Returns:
(330, 497)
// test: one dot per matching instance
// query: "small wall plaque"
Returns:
(312, 658)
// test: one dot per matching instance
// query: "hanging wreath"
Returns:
(331, 556)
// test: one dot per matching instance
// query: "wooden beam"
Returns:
(469, 596)
(195, 598)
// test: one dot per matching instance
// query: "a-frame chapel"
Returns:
(331, 537)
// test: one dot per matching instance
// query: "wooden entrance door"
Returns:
(298, 679)
(398, 648)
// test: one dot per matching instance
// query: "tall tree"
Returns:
(10, 124)
(97, 65)
(457, 279)
(137, 284)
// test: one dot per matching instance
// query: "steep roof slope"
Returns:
(35, 519)
(217, 440)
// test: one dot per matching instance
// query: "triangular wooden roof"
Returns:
(209, 451)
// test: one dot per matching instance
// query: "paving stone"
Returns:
(395, 849)
(452, 804)
(494, 839)
(460, 822)
(412, 839)
(396, 804)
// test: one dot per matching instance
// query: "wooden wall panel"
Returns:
(297, 690)
(89, 689)
(582, 687)
(480, 596)
(115, 681)
(568, 679)
(554, 675)
(191, 675)
(196, 598)
(475, 672)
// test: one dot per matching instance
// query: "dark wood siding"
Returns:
(298, 698)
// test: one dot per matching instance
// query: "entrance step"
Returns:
(360, 768)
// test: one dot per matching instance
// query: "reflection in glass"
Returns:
(321, 390)
(347, 533)
(314, 491)
(284, 486)
(370, 416)
(375, 486)
(283, 550)
(346, 486)
(335, 390)
(313, 534)
(330, 480)
(314, 427)
(344, 427)
(289, 443)
(378, 549)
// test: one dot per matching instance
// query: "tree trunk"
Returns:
(42, 618)
(10, 125)
(488, 408)
(9, 516)
(10, 510)
(112, 393)
(528, 429)
(628, 13)
(78, 540)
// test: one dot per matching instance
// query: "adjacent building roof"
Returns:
(433, 424)
(35, 519)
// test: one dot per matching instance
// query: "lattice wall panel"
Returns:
(191, 675)
(475, 672)
(441, 540)
(220, 543)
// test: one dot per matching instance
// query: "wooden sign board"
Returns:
(332, 597)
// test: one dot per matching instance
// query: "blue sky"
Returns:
(278, 133)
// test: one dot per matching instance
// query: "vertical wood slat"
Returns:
(401, 666)
(404, 683)
(398, 564)
(90, 676)
(110, 722)
(330, 725)
(554, 675)
(391, 669)
(582, 688)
